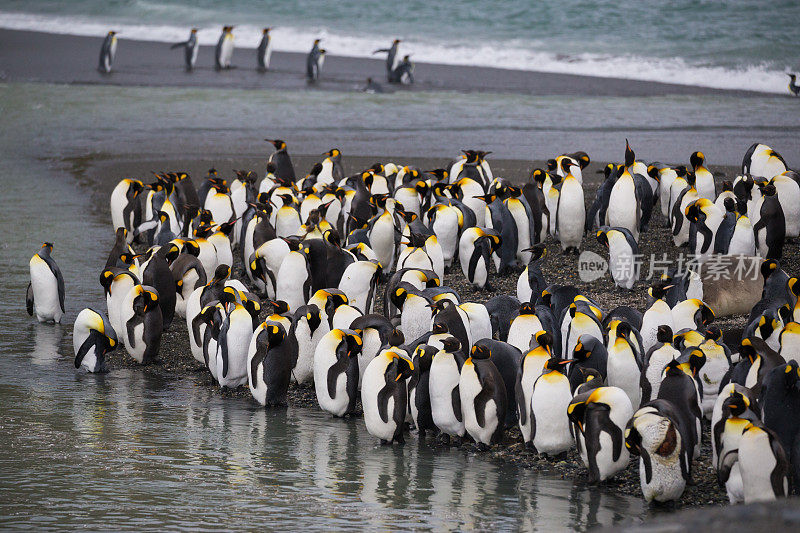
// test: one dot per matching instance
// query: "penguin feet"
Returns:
(482, 447)
(489, 287)
(385, 442)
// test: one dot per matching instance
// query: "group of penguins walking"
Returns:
(550, 359)
(397, 70)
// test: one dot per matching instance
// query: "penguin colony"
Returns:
(550, 360)
(398, 71)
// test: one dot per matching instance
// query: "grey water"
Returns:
(129, 450)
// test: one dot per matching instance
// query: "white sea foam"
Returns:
(516, 55)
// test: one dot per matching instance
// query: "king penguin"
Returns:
(384, 395)
(92, 338)
(107, 52)
(190, 49)
(224, 51)
(264, 50)
(483, 397)
(45, 295)
(314, 61)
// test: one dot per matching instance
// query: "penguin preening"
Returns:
(92, 338)
(45, 294)
(107, 52)
(190, 49)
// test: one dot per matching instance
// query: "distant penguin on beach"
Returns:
(264, 50)
(391, 57)
(190, 49)
(403, 73)
(107, 52)
(793, 87)
(372, 87)
(224, 51)
(314, 61)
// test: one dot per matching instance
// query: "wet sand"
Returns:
(45, 57)
(176, 362)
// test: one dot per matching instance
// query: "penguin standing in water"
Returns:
(763, 464)
(45, 295)
(599, 417)
(264, 50)
(443, 387)
(384, 395)
(336, 371)
(224, 51)
(654, 434)
(419, 398)
(314, 62)
(233, 342)
(550, 431)
(391, 57)
(404, 72)
(107, 52)
(483, 397)
(190, 49)
(142, 323)
(269, 365)
(92, 338)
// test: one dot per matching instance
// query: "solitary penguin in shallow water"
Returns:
(224, 50)
(264, 50)
(92, 338)
(45, 295)
(190, 49)
(107, 52)
(314, 61)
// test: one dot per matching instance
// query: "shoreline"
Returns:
(175, 361)
(28, 56)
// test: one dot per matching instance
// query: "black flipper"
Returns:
(29, 299)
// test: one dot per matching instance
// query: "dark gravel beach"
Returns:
(44, 57)
(176, 361)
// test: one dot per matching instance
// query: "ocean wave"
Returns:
(511, 54)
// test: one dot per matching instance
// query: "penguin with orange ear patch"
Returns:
(384, 394)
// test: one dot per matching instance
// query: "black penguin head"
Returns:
(279, 307)
(704, 315)
(403, 367)
(538, 251)
(479, 351)
(399, 296)
(396, 338)
(556, 364)
(472, 156)
(697, 159)
(106, 278)
(735, 405)
(664, 334)
(566, 163)
(791, 373)
(730, 205)
(333, 153)
(748, 350)
(546, 298)
(590, 374)
(630, 156)
(576, 410)
(552, 165)
(316, 41)
(128, 258)
(602, 238)
(697, 358)
(275, 334)
(221, 274)
(652, 171)
(794, 286)
(353, 343)
(527, 308)
(538, 176)
(768, 190)
(768, 267)
(624, 330)
(47, 247)
(439, 328)
(545, 340)
(423, 357)
(451, 344)
(265, 31)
